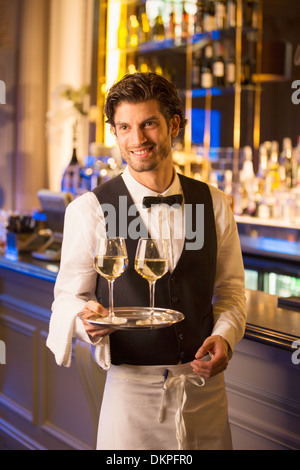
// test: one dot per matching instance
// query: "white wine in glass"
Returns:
(151, 262)
(110, 261)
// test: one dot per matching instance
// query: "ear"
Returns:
(174, 125)
(113, 130)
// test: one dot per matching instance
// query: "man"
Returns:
(165, 387)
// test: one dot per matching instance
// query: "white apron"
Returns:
(141, 411)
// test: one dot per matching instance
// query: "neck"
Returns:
(156, 180)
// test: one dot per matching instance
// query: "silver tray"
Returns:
(162, 318)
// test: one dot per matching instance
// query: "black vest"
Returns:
(188, 289)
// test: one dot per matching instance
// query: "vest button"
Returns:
(173, 279)
(182, 354)
(174, 299)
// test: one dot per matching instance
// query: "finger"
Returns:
(92, 309)
(208, 368)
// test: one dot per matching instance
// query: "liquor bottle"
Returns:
(287, 162)
(247, 65)
(122, 34)
(155, 66)
(274, 166)
(220, 14)
(184, 23)
(143, 65)
(133, 28)
(206, 68)
(228, 186)
(231, 14)
(71, 176)
(250, 14)
(131, 67)
(230, 71)
(262, 162)
(296, 157)
(218, 66)
(144, 33)
(198, 19)
(196, 68)
(159, 28)
(209, 19)
(172, 24)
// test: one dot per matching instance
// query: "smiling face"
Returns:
(143, 136)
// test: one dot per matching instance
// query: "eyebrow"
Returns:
(150, 118)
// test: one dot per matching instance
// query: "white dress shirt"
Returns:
(76, 280)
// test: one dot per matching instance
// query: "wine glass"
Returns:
(110, 261)
(151, 262)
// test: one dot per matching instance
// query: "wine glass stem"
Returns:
(111, 297)
(152, 295)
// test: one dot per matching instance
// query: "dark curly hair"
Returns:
(139, 87)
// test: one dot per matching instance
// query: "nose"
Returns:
(138, 136)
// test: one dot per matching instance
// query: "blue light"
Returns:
(198, 122)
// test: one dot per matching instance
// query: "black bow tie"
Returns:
(149, 201)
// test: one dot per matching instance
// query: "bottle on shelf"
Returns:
(274, 166)
(184, 23)
(248, 178)
(198, 19)
(159, 28)
(218, 66)
(296, 160)
(122, 34)
(143, 65)
(220, 15)
(286, 163)
(228, 186)
(71, 176)
(248, 62)
(144, 32)
(209, 19)
(131, 67)
(156, 66)
(230, 68)
(133, 28)
(206, 67)
(196, 68)
(171, 31)
(250, 14)
(231, 14)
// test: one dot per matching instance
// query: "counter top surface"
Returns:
(268, 323)
(265, 321)
(26, 264)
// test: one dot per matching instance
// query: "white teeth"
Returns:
(141, 152)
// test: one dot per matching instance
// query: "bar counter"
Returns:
(265, 322)
(44, 406)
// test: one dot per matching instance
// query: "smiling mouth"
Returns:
(141, 153)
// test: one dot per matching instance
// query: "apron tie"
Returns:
(179, 381)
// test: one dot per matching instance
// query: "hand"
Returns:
(218, 348)
(91, 310)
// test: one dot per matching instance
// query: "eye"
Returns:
(123, 128)
(150, 123)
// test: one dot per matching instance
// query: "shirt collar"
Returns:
(138, 191)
